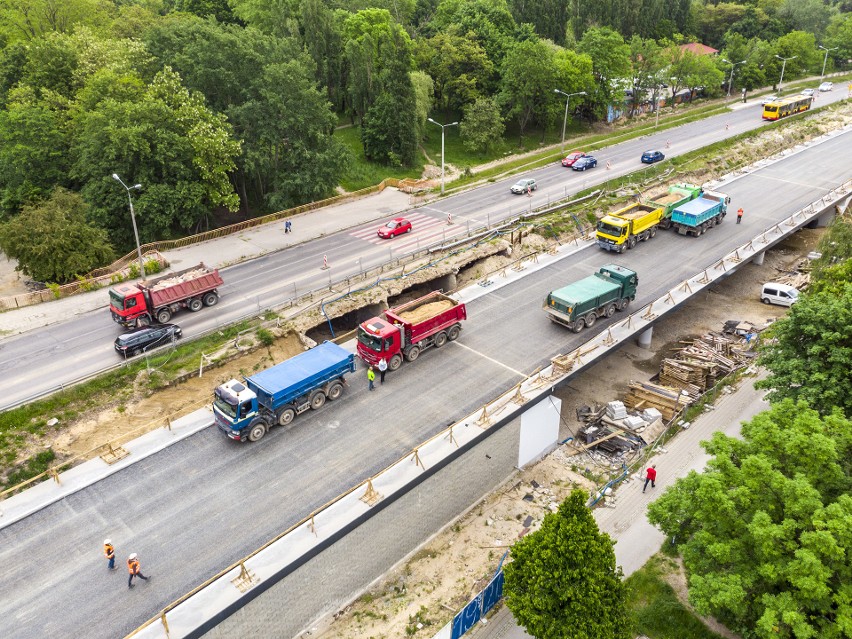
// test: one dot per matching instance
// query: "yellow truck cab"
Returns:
(622, 229)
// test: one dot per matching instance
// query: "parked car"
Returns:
(808, 91)
(826, 86)
(572, 157)
(649, 157)
(587, 162)
(768, 99)
(395, 227)
(147, 338)
(524, 186)
(780, 294)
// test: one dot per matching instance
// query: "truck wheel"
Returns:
(579, 324)
(413, 353)
(210, 299)
(317, 399)
(164, 315)
(335, 390)
(256, 431)
(453, 333)
(653, 231)
(591, 318)
(610, 310)
(286, 416)
(440, 339)
(395, 362)
(622, 248)
(194, 305)
(631, 242)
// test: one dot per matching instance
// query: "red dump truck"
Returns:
(404, 331)
(152, 301)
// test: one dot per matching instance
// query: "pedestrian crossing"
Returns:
(426, 230)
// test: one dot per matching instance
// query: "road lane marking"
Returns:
(490, 359)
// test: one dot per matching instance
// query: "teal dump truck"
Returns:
(580, 304)
(703, 213)
(672, 198)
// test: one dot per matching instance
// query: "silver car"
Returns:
(524, 186)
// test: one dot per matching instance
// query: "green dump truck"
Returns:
(672, 198)
(580, 304)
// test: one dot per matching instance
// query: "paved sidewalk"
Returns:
(626, 522)
(224, 251)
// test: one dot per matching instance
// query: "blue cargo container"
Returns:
(247, 410)
(698, 215)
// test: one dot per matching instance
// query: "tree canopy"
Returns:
(766, 530)
(562, 582)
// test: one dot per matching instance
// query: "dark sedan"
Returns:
(147, 338)
(649, 157)
(587, 162)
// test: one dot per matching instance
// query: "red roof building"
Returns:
(699, 49)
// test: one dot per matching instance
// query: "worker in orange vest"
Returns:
(739, 215)
(133, 569)
(109, 553)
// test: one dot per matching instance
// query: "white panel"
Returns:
(539, 430)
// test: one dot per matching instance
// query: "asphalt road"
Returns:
(58, 354)
(203, 503)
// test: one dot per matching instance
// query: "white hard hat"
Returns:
(107, 542)
(132, 555)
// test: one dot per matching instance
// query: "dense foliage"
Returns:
(766, 530)
(225, 105)
(562, 582)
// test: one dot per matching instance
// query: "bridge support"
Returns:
(757, 260)
(645, 338)
(823, 219)
(448, 282)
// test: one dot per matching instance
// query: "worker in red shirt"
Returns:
(739, 215)
(134, 569)
(650, 476)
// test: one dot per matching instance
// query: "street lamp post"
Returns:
(825, 59)
(731, 79)
(784, 60)
(443, 126)
(568, 97)
(133, 219)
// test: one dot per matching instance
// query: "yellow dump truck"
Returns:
(621, 229)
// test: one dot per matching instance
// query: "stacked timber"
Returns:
(644, 395)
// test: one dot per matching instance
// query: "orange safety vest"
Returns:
(133, 566)
(109, 551)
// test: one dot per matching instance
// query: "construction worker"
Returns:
(371, 377)
(739, 215)
(134, 569)
(109, 553)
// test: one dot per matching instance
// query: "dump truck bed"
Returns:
(182, 285)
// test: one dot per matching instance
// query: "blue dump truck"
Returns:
(580, 304)
(247, 410)
(698, 215)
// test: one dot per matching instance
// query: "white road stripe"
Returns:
(508, 368)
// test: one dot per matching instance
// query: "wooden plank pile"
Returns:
(668, 401)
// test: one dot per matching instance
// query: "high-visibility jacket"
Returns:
(109, 551)
(133, 566)
(371, 375)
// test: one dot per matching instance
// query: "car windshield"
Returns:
(609, 229)
(391, 225)
(116, 300)
(224, 406)
(370, 341)
(771, 108)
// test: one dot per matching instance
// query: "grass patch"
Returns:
(654, 609)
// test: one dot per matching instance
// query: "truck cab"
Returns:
(234, 406)
(379, 339)
(126, 303)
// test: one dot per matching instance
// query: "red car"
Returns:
(572, 157)
(395, 227)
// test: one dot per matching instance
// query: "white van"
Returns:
(781, 294)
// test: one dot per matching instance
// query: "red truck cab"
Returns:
(404, 331)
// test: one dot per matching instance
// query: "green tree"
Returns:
(549, 17)
(482, 125)
(835, 247)
(528, 79)
(649, 64)
(810, 354)
(52, 241)
(31, 19)
(811, 16)
(562, 582)
(764, 532)
(424, 97)
(689, 71)
(275, 17)
(167, 140)
(839, 34)
(458, 65)
(34, 150)
(322, 35)
(489, 21)
(802, 49)
(610, 63)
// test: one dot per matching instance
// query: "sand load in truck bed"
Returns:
(426, 311)
(666, 197)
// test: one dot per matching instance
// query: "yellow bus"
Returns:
(786, 106)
